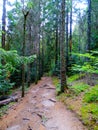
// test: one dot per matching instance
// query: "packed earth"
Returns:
(40, 110)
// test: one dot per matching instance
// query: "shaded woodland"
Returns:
(51, 38)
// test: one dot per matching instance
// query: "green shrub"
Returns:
(89, 114)
(5, 84)
(79, 87)
(91, 95)
(75, 77)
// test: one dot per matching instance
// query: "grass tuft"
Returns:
(77, 88)
(75, 77)
(91, 95)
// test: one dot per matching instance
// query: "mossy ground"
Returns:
(82, 99)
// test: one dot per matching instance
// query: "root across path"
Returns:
(39, 110)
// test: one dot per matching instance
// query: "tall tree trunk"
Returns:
(62, 49)
(67, 57)
(42, 61)
(29, 66)
(56, 45)
(23, 51)
(56, 36)
(39, 75)
(3, 24)
(89, 27)
(70, 38)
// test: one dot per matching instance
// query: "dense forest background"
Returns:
(41, 37)
(61, 36)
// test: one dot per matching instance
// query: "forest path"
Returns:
(39, 110)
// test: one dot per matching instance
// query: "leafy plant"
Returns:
(90, 114)
(91, 66)
(91, 95)
(12, 61)
(5, 84)
(79, 87)
(75, 77)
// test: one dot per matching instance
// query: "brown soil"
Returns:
(39, 110)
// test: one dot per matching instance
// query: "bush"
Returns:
(75, 77)
(5, 84)
(90, 114)
(79, 87)
(91, 95)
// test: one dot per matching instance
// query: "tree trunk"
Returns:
(70, 38)
(89, 27)
(23, 52)
(67, 58)
(39, 75)
(42, 61)
(56, 45)
(3, 24)
(62, 49)
(7, 101)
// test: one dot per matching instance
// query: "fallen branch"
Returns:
(7, 101)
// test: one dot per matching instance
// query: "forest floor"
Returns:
(40, 110)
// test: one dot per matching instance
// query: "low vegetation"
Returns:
(82, 99)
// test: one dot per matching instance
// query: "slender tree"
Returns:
(89, 26)
(67, 17)
(62, 49)
(25, 14)
(3, 24)
(70, 37)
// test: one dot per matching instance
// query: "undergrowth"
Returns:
(3, 109)
(77, 88)
(91, 95)
(89, 99)
(75, 77)
(56, 82)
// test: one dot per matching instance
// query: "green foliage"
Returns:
(3, 110)
(91, 95)
(5, 84)
(79, 87)
(30, 4)
(12, 61)
(90, 114)
(27, 59)
(91, 66)
(58, 88)
(75, 77)
(56, 82)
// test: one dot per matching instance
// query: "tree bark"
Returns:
(70, 38)
(67, 56)
(89, 27)
(62, 49)
(23, 52)
(3, 24)
(7, 101)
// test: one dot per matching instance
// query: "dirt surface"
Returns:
(39, 110)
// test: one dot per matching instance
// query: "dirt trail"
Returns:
(39, 110)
